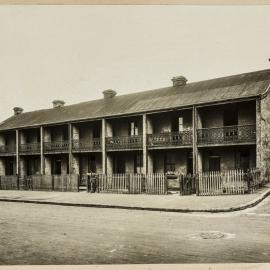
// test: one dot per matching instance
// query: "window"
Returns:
(9, 167)
(134, 129)
(169, 163)
(96, 132)
(138, 163)
(230, 117)
(180, 124)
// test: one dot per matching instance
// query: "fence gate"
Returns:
(173, 183)
(187, 184)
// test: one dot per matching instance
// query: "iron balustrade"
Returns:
(61, 146)
(227, 134)
(124, 142)
(8, 149)
(182, 138)
(30, 148)
(87, 145)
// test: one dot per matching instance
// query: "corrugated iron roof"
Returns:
(215, 90)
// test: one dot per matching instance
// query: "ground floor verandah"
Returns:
(158, 161)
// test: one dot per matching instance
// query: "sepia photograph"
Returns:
(134, 136)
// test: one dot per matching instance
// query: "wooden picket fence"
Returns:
(9, 182)
(154, 183)
(204, 184)
(50, 182)
(40, 182)
(112, 183)
(228, 182)
(66, 182)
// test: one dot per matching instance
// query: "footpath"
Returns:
(167, 203)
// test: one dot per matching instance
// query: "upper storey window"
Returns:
(180, 124)
(134, 129)
(230, 117)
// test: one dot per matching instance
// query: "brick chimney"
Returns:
(109, 93)
(17, 110)
(179, 81)
(58, 103)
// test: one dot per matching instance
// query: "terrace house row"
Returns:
(211, 125)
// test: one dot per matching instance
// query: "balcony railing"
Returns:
(183, 138)
(125, 142)
(82, 145)
(227, 134)
(30, 148)
(61, 146)
(7, 149)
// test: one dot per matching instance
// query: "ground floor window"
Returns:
(9, 168)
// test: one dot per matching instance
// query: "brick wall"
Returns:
(263, 141)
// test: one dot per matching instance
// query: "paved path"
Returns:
(51, 234)
(169, 202)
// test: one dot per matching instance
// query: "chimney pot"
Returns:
(179, 81)
(109, 93)
(58, 103)
(17, 110)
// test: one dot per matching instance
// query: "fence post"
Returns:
(166, 184)
(128, 181)
(87, 183)
(248, 178)
(180, 184)
(0, 182)
(52, 182)
(78, 182)
(197, 184)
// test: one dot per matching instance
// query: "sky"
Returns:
(73, 53)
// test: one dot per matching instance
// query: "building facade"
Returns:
(214, 125)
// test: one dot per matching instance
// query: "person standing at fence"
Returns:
(93, 183)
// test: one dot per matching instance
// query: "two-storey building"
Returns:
(213, 125)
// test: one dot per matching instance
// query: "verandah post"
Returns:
(103, 146)
(194, 143)
(145, 154)
(41, 151)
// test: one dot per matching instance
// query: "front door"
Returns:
(244, 160)
(119, 165)
(189, 163)
(214, 163)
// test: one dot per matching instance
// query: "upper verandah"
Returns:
(241, 86)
